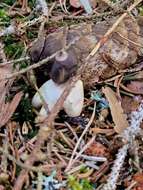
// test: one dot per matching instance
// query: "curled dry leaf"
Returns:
(119, 118)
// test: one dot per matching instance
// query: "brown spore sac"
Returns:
(64, 67)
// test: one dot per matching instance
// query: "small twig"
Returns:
(81, 137)
(92, 164)
(83, 149)
(94, 158)
(138, 68)
(31, 22)
(121, 91)
(15, 61)
(118, 88)
(135, 43)
(77, 168)
(72, 130)
(86, 17)
(65, 139)
(63, 6)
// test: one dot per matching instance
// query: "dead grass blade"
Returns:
(119, 118)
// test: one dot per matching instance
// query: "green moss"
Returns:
(31, 34)
(75, 184)
(13, 48)
(86, 184)
(83, 169)
(3, 16)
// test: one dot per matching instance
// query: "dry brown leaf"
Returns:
(96, 149)
(119, 118)
(136, 87)
(8, 109)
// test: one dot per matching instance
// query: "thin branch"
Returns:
(15, 61)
